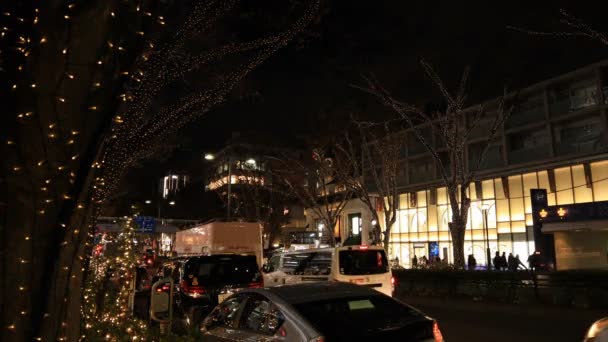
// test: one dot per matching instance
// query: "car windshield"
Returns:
(375, 316)
(356, 262)
(225, 270)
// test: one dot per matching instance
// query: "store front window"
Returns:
(500, 214)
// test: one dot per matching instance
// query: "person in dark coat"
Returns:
(503, 261)
(415, 261)
(472, 263)
(512, 263)
(497, 261)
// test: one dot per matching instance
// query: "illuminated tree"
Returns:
(89, 89)
(452, 126)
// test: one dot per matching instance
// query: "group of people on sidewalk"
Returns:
(500, 262)
(426, 263)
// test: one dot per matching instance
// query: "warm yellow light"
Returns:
(543, 213)
(562, 212)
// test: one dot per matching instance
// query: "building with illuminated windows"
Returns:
(554, 140)
(172, 183)
(241, 174)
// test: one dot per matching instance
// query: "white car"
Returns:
(361, 264)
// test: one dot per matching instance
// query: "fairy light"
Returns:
(148, 77)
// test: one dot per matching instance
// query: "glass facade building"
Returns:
(555, 139)
(501, 204)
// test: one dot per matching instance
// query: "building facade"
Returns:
(555, 139)
(355, 221)
(242, 175)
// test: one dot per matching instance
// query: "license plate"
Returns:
(222, 296)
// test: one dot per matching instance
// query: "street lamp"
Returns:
(250, 161)
(209, 156)
(484, 210)
(148, 201)
(172, 203)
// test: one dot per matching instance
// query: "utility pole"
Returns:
(229, 188)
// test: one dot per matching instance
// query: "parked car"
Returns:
(320, 311)
(360, 264)
(205, 281)
(598, 331)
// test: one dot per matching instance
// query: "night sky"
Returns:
(303, 91)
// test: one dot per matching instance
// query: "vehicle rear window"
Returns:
(374, 317)
(309, 263)
(357, 262)
(225, 270)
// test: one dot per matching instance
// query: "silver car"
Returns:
(320, 312)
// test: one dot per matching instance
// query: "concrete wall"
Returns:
(581, 250)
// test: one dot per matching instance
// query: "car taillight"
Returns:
(256, 285)
(149, 261)
(437, 333)
(183, 286)
(363, 247)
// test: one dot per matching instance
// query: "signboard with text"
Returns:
(144, 224)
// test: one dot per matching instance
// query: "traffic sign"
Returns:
(145, 224)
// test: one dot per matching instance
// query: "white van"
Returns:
(362, 265)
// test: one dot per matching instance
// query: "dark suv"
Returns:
(204, 281)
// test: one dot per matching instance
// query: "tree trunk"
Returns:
(457, 230)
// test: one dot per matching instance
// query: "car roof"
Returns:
(226, 256)
(316, 291)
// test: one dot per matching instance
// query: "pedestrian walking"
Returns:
(534, 260)
(471, 262)
(511, 263)
(423, 261)
(415, 261)
(496, 261)
(503, 261)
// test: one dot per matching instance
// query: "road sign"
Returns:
(145, 224)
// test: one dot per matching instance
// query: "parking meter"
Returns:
(162, 302)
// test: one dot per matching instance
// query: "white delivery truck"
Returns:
(220, 238)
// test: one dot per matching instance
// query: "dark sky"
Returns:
(303, 91)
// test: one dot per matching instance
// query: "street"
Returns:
(464, 320)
